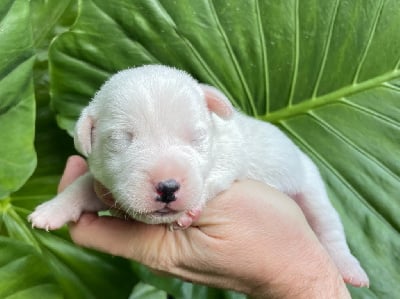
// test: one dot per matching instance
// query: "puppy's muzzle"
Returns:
(166, 190)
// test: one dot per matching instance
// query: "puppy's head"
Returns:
(148, 136)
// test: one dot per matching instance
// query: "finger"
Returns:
(75, 167)
(126, 238)
(163, 251)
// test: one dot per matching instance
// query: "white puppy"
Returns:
(163, 144)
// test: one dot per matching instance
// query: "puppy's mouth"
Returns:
(165, 212)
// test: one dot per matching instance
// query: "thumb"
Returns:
(127, 238)
(75, 167)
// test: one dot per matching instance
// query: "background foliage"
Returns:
(326, 72)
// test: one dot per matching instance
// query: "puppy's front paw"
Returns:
(52, 215)
(186, 219)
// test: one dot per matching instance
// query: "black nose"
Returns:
(166, 190)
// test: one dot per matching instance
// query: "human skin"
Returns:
(251, 238)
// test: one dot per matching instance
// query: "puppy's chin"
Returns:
(157, 217)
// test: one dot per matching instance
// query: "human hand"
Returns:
(251, 238)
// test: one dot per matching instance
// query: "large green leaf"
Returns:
(326, 72)
(35, 264)
(17, 103)
(179, 289)
(15, 258)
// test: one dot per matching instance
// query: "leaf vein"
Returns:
(127, 33)
(21, 292)
(391, 86)
(200, 60)
(13, 262)
(326, 50)
(88, 63)
(303, 107)
(23, 86)
(234, 59)
(264, 53)
(371, 112)
(296, 54)
(337, 174)
(351, 144)
(369, 42)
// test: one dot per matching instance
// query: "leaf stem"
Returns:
(313, 103)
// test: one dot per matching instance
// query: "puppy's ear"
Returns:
(217, 102)
(83, 132)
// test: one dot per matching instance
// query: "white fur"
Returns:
(154, 123)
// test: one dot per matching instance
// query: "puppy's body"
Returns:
(164, 145)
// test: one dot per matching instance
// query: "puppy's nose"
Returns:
(166, 190)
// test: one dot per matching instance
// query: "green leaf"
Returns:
(326, 72)
(75, 272)
(78, 273)
(179, 289)
(36, 264)
(57, 17)
(16, 282)
(145, 291)
(17, 102)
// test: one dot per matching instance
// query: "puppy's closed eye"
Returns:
(198, 135)
(200, 139)
(119, 141)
